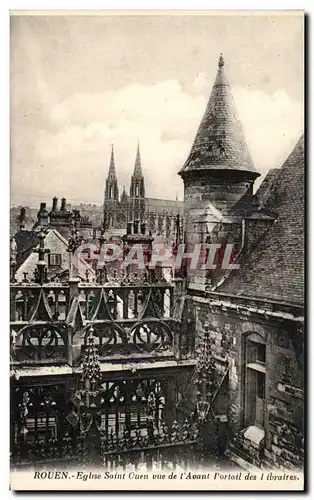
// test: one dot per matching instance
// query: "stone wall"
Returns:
(283, 416)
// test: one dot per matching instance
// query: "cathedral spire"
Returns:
(111, 187)
(112, 167)
(138, 167)
(219, 143)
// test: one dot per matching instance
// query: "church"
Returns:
(160, 215)
(205, 368)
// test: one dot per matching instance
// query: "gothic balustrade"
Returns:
(49, 322)
(32, 302)
(163, 446)
(121, 420)
(40, 343)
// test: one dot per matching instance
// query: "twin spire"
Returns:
(137, 172)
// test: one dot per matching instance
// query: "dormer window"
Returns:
(54, 259)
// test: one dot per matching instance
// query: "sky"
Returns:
(81, 83)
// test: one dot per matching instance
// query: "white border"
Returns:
(5, 6)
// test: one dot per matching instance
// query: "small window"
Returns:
(40, 427)
(260, 385)
(54, 259)
(261, 353)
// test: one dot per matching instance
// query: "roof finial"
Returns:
(221, 62)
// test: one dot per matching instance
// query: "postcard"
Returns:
(157, 250)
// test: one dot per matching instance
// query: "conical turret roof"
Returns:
(219, 143)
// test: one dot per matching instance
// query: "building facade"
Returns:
(127, 367)
(160, 215)
(254, 315)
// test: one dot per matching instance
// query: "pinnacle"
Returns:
(112, 168)
(138, 167)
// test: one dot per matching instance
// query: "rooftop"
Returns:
(219, 143)
(274, 269)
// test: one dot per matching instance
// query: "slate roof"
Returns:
(219, 143)
(274, 269)
(15, 222)
(57, 244)
(265, 188)
(25, 240)
(159, 206)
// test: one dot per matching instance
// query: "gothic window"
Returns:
(168, 226)
(41, 427)
(127, 405)
(137, 190)
(152, 222)
(54, 259)
(160, 224)
(121, 221)
(254, 379)
(37, 411)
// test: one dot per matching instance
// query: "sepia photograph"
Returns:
(157, 250)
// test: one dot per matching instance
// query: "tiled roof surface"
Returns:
(274, 269)
(265, 188)
(26, 241)
(219, 142)
(57, 244)
(157, 205)
(15, 222)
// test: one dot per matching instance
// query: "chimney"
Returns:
(136, 226)
(143, 228)
(54, 204)
(22, 218)
(63, 205)
(42, 215)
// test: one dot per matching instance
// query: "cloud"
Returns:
(272, 125)
(70, 157)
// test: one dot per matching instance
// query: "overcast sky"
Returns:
(80, 83)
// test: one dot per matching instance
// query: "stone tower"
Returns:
(137, 191)
(111, 199)
(218, 178)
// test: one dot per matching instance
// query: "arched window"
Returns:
(137, 190)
